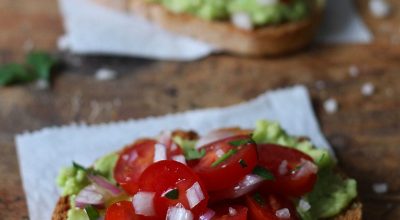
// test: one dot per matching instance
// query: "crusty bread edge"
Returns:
(269, 40)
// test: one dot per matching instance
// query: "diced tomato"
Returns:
(122, 210)
(230, 212)
(174, 184)
(295, 172)
(240, 155)
(270, 207)
(135, 158)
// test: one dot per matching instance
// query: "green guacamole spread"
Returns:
(261, 12)
(330, 196)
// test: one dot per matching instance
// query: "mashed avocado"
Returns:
(261, 12)
(72, 179)
(77, 214)
(331, 193)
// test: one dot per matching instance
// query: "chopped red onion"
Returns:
(306, 168)
(143, 203)
(179, 213)
(179, 158)
(104, 184)
(207, 215)
(89, 195)
(194, 195)
(160, 152)
(232, 211)
(282, 169)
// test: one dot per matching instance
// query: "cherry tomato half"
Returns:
(295, 172)
(226, 162)
(134, 159)
(122, 210)
(174, 183)
(230, 212)
(270, 207)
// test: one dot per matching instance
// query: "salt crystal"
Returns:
(380, 188)
(331, 106)
(368, 89)
(354, 71)
(104, 74)
(379, 8)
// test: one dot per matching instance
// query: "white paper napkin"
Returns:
(42, 153)
(93, 29)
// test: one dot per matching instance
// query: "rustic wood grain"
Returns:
(365, 132)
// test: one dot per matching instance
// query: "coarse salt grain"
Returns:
(331, 106)
(379, 8)
(354, 71)
(283, 213)
(304, 205)
(380, 188)
(104, 74)
(367, 89)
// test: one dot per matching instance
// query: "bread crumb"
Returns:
(379, 8)
(354, 71)
(331, 106)
(380, 188)
(367, 89)
(104, 74)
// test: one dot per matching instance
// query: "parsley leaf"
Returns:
(173, 194)
(92, 212)
(188, 147)
(41, 63)
(240, 142)
(224, 157)
(264, 173)
(259, 199)
(78, 166)
(38, 65)
(15, 73)
(243, 163)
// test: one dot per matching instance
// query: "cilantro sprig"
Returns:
(224, 157)
(172, 194)
(92, 212)
(264, 173)
(37, 66)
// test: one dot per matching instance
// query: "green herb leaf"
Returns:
(173, 194)
(240, 142)
(224, 157)
(243, 163)
(193, 154)
(188, 147)
(92, 212)
(259, 199)
(15, 73)
(264, 173)
(78, 166)
(41, 63)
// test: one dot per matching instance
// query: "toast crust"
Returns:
(267, 40)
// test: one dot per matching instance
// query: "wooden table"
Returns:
(365, 131)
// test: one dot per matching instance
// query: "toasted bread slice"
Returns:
(267, 40)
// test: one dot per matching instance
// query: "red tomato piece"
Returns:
(135, 158)
(295, 172)
(230, 212)
(122, 210)
(270, 207)
(174, 183)
(226, 162)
